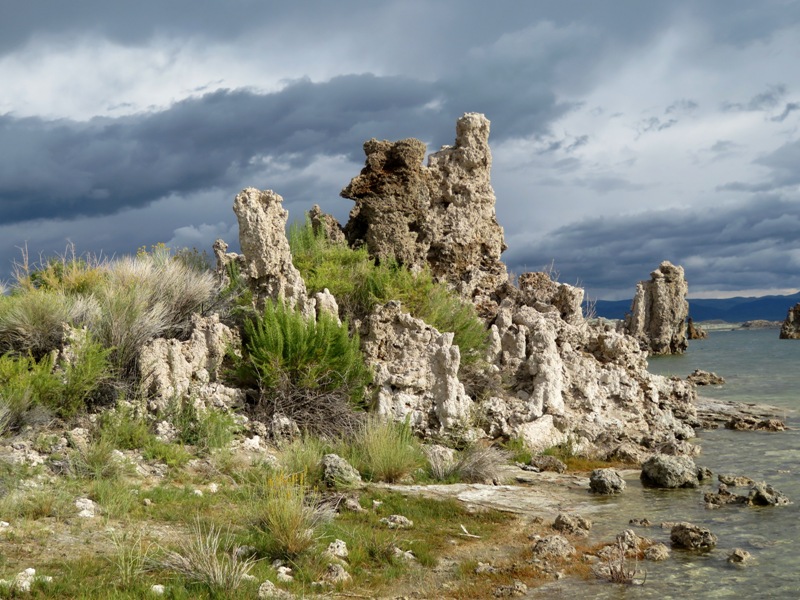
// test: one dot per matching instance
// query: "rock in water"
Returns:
(659, 310)
(790, 330)
(692, 537)
(665, 471)
(606, 481)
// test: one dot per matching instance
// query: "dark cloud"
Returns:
(787, 110)
(753, 245)
(782, 164)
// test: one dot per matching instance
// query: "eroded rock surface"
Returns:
(665, 471)
(442, 215)
(790, 330)
(659, 310)
(416, 371)
(692, 537)
(173, 369)
(268, 259)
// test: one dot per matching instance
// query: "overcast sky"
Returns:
(624, 132)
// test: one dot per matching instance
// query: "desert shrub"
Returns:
(359, 284)
(23, 383)
(384, 450)
(97, 460)
(32, 322)
(66, 273)
(211, 559)
(288, 516)
(518, 450)
(204, 428)
(311, 371)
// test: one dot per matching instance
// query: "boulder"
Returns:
(416, 371)
(262, 236)
(700, 377)
(606, 481)
(762, 494)
(546, 462)
(659, 310)
(337, 472)
(572, 524)
(739, 556)
(790, 330)
(657, 552)
(442, 215)
(553, 546)
(692, 537)
(665, 471)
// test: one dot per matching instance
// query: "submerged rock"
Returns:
(692, 537)
(700, 377)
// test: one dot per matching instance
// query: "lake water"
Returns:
(757, 367)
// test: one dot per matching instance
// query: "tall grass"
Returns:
(384, 450)
(288, 516)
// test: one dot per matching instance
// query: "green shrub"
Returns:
(311, 371)
(359, 284)
(384, 450)
(205, 429)
(304, 455)
(32, 322)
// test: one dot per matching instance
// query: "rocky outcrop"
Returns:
(171, 369)
(790, 330)
(693, 332)
(579, 381)
(337, 472)
(659, 310)
(268, 259)
(326, 225)
(442, 215)
(416, 371)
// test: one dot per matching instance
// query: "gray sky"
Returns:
(624, 132)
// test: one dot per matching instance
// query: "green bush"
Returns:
(359, 284)
(311, 371)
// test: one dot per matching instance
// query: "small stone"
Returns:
(485, 568)
(213, 488)
(506, 591)
(147, 502)
(87, 509)
(337, 549)
(284, 574)
(397, 522)
(198, 493)
(158, 589)
(335, 574)
(269, 591)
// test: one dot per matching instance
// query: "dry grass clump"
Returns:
(209, 558)
(474, 464)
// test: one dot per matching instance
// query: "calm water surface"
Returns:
(757, 367)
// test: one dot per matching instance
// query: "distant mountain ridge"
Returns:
(732, 310)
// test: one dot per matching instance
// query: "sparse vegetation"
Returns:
(384, 451)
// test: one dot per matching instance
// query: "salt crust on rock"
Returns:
(192, 368)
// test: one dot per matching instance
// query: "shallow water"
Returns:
(758, 367)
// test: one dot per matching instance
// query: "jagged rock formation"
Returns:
(268, 259)
(564, 380)
(416, 371)
(575, 380)
(790, 330)
(172, 369)
(441, 215)
(327, 224)
(659, 310)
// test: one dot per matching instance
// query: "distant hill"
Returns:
(732, 310)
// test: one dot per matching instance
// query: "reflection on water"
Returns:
(758, 367)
